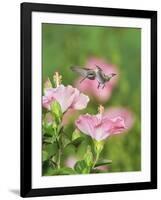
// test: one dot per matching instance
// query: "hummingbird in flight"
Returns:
(94, 74)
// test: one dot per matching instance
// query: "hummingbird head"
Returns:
(109, 76)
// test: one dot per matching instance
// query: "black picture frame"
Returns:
(26, 103)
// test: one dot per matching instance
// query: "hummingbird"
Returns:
(93, 74)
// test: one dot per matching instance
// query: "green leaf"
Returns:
(77, 141)
(88, 157)
(81, 167)
(82, 148)
(47, 129)
(103, 162)
(45, 156)
(76, 134)
(56, 111)
(51, 149)
(48, 140)
(47, 170)
(69, 149)
(61, 171)
(45, 166)
(65, 140)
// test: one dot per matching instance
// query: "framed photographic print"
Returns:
(88, 99)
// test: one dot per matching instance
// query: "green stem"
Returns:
(59, 142)
(59, 156)
(96, 159)
(98, 146)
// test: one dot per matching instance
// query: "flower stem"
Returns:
(59, 150)
(59, 156)
(98, 145)
(96, 159)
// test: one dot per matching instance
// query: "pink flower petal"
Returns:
(125, 113)
(67, 97)
(118, 125)
(102, 168)
(84, 124)
(64, 95)
(80, 101)
(70, 162)
(100, 127)
(46, 102)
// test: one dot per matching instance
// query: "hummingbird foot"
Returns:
(103, 86)
(98, 86)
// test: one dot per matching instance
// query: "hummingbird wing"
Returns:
(100, 76)
(99, 68)
(84, 72)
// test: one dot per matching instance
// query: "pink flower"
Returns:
(90, 86)
(70, 162)
(67, 97)
(102, 168)
(47, 84)
(125, 113)
(99, 127)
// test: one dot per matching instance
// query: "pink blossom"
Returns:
(70, 162)
(99, 127)
(125, 113)
(47, 84)
(102, 168)
(67, 97)
(90, 86)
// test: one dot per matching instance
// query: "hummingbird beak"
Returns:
(113, 74)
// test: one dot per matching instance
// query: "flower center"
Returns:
(100, 109)
(57, 79)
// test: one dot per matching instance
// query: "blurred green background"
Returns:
(68, 45)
